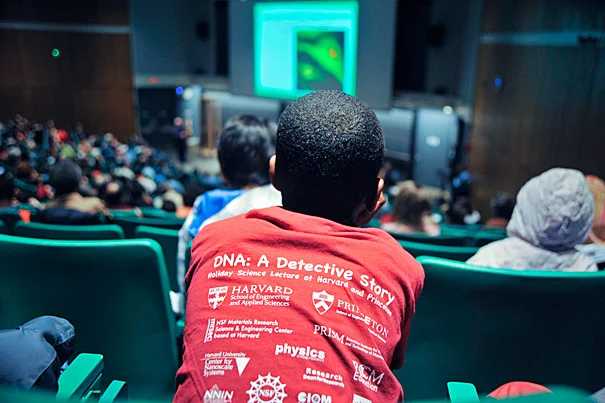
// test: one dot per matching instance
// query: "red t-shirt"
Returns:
(285, 307)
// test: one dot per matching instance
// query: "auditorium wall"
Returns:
(549, 109)
(91, 79)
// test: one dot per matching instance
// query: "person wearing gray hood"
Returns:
(553, 214)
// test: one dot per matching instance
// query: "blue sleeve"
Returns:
(200, 214)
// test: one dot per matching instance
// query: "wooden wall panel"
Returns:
(106, 12)
(11, 74)
(536, 121)
(540, 15)
(91, 80)
(550, 109)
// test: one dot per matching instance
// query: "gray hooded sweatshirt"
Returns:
(553, 214)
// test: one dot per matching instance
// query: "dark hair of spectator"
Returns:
(65, 177)
(169, 206)
(244, 150)
(503, 205)
(458, 210)
(329, 150)
(7, 186)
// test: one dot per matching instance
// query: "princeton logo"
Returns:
(322, 301)
(216, 296)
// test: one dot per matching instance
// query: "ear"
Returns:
(272, 172)
(373, 204)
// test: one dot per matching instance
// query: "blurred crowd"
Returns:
(122, 175)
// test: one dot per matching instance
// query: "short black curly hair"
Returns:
(329, 150)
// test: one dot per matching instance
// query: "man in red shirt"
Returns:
(299, 304)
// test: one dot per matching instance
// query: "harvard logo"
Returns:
(322, 301)
(216, 296)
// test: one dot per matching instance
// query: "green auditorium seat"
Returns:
(458, 253)
(168, 240)
(115, 293)
(82, 378)
(130, 224)
(69, 232)
(493, 326)
(152, 212)
(123, 213)
(3, 229)
(497, 230)
(458, 227)
(10, 219)
(483, 238)
(447, 240)
(80, 382)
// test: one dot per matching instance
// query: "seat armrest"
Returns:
(80, 376)
(116, 391)
(462, 392)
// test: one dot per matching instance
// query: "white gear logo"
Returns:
(266, 389)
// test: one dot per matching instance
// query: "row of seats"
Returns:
(492, 326)
(80, 381)
(484, 326)
(127, 220)
(123, 309)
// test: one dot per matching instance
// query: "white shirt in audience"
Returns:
(553, 215)
(257, 198)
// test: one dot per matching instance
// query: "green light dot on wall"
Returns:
(55, 52)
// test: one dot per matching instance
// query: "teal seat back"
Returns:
(458, 227)
(168, 240)
(69, 232)
(483, 238)
(130, 224)
(115, 293)
(152, 212)
(492, 326)
(124, 213)
(446, 239)
(10, 219)
(458, 253)
(3, 229)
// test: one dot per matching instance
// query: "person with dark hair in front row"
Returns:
(503, 205)
(69, 207)
(7, 191)
(300, 302)
(244, 149)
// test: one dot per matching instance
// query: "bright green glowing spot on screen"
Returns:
(314, 50)
(55, 52)
(304, 46)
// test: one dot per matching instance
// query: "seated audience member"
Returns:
(412, 212)
(7, 192)
(244, 149)
(301, 274)
(554, 213)
(33, 353)
(595, 244)
(503, 205)
(257, 198)
(191, 193)
(174, 197)
(169, 206)
(116, 196)
(461, 212)
(69, 207)
(597, 188)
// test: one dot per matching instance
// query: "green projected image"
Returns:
(320, 63)
(304, 46)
